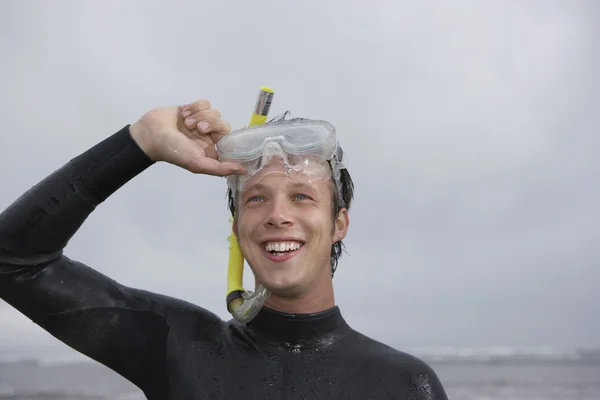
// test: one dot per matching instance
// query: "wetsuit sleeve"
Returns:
(88, 311)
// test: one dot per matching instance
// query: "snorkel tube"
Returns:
(245, 305)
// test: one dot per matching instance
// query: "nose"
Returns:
(279, 216)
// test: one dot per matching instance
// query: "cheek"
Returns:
(320, 225)
(246, 245)
(242, 231)
(248, 224)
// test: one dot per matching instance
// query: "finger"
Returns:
(221, 130)
(213, 112)
(205, 115)
(195, 107)
(221, 133)
(206, 126)
(219, 127)
(208, 166)
(216, 128)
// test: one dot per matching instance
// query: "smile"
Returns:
(281, 250)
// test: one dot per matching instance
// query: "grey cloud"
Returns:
(470, 129)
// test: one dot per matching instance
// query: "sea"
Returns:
(467, 374)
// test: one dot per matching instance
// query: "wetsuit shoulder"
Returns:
(185, 319)
(405, 375)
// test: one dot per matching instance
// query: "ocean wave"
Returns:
(50, 395)
(49, 361)
(506, 354)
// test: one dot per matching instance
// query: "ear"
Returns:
(340, 226)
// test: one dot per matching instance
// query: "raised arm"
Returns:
(95, 315)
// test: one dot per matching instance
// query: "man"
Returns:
(297, 347)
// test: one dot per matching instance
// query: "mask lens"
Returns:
(300, 168)
(295, 137)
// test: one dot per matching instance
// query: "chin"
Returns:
(284, 285)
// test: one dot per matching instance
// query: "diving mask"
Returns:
(305, 147)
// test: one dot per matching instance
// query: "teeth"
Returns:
(282, 246)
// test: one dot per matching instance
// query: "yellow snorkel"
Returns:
(244, 305)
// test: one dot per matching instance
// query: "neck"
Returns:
(297, 331)
(319, 298)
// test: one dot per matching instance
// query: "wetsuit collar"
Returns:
(297, 327)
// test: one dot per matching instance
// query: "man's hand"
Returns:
(185, 136)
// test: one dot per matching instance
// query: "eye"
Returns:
(254, 199)
(301, 196)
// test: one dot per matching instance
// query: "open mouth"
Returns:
(282, 249)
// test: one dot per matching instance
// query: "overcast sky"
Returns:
(471, 129)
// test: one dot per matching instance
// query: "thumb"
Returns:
(209, 166)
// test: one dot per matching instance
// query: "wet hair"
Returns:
(347, 193)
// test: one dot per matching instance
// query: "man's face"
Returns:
(285, 230)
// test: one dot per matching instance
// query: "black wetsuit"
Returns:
(169, 348)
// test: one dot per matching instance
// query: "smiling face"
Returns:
(285, 228)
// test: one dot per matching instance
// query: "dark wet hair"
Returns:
(347, 194)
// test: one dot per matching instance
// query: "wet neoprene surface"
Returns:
(169, 348)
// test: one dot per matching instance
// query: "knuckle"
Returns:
(199, 106)
(203, 104)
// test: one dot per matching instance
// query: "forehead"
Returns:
(279, 180)
(278, 174)
(276, 177)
